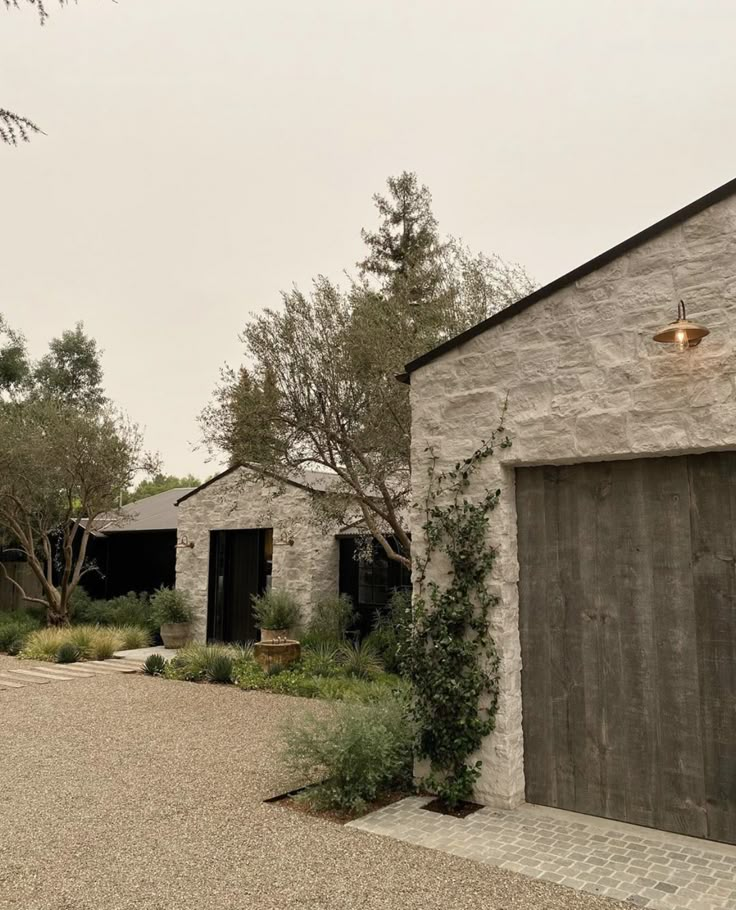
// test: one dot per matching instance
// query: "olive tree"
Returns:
(62, 470)
(319, 390)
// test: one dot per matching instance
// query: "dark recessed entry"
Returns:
(370, 583)
(240, 567)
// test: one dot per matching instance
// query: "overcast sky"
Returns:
(201, 157)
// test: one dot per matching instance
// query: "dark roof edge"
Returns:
(704, 202)
(207, 483)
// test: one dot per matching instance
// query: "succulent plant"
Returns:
(154, 665)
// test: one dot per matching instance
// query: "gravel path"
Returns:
(123, 792)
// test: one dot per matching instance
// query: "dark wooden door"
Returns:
(237, 573)
(628, 630)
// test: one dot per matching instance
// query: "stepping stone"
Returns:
(112, 665)
(44, 673)
(10, 683)
(67, 673)
(36, 677)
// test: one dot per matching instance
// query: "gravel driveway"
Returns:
(131, 792)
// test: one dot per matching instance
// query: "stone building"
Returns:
(616, 529)
(238, 537)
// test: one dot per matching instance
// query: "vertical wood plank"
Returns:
(713, 518)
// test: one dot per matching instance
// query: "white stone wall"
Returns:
(308, 568)
(584, 381)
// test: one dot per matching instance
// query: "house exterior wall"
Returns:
(308, 568)
(584, 381)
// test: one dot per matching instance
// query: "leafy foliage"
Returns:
(65, 455)
(129, 609)
(160, 483)
(359, 658)
(330, 619)
(452, 659)
(169, 605)
(71, 371)
(276, 610)
(359, 750)
(15, 627)
(196, 661)
(391, 628)
(321, 391)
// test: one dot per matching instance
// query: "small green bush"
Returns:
(360, 752)
(15, 627)
(360, 659)
(171, 606)
(129, 610)
(321, 659)
(132, 637)
(391, 631)
(195, 661)
(154, 665)
(68, 653)
(330, 620)
(43, 644)
(276, 610)
(249, 676)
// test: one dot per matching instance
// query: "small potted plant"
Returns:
(173, 613)
(277, 613)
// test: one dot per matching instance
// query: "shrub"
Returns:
(14, 629)
(43, 644)
(171, 606)
(68, 653)
(154, 665)
(248, 675)
(129, 610)
(360, 751)
(219, 668)
(276, 610)
(132, 637)
(391, 630)
(360, 659)
(91, 642)
(105, 642)
(195, 661)
(321, 659)
(83, 638)
(331, 619)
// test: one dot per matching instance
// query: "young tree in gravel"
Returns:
(320, 389)
(60, 464)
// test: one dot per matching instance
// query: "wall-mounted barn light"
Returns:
(682, 333)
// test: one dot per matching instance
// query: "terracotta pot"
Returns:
(270, 654)
(273, 634)
(175, 634)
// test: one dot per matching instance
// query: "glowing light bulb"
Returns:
(681, 340)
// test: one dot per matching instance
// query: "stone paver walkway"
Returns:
(646, 867)
(21, 673)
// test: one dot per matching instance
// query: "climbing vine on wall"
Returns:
(452, 658)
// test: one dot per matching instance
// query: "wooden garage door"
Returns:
(628, 627)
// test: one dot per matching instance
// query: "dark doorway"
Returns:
(370, 582)
(240, 567)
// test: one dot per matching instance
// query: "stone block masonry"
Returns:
(585, 381)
